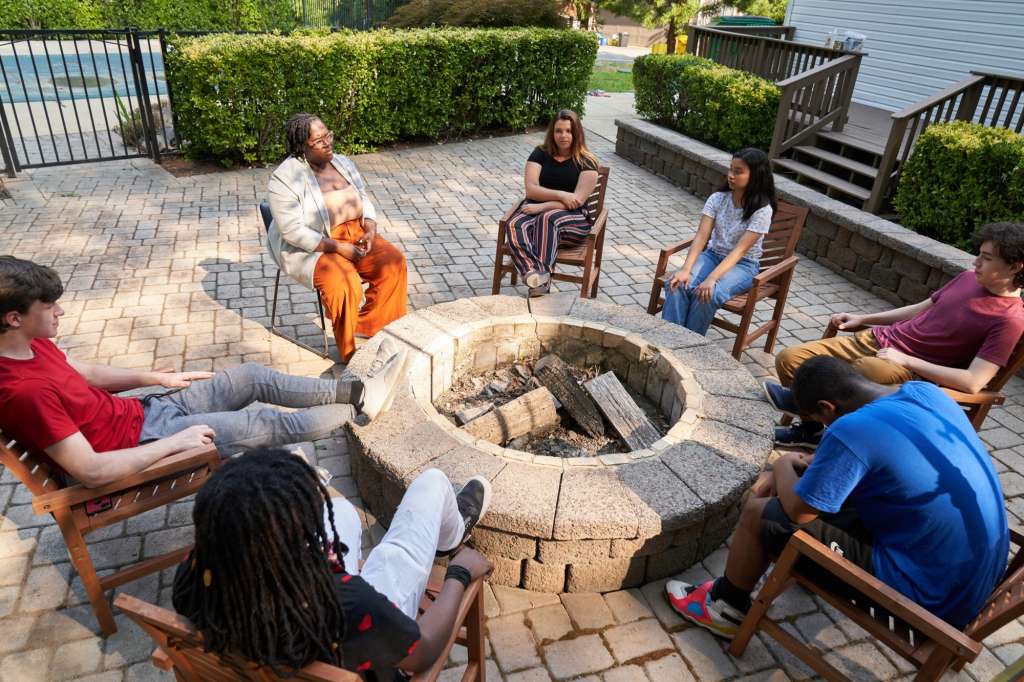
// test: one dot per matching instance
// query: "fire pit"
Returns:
(574, 523)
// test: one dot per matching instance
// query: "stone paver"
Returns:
(173, 271)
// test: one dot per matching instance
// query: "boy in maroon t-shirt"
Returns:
(959, 337)
(65, 408)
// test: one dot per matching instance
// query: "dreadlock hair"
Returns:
(296, 132)
(259, 584)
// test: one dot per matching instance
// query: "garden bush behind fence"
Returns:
(233, 93)
(205, 15)
(960, 176)
(720, 106)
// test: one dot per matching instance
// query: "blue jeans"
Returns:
(682, 306)
(218, 402)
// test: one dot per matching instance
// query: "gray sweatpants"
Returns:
(218, 402)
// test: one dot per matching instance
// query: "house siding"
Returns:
(916, 48)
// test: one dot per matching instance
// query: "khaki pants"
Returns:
(857, 349)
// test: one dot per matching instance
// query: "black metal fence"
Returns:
(355, 14)
(75, 96)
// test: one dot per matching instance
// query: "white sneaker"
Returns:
(382, 378)
(533, 279)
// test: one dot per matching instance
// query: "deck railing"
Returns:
(993, 100)
(781, 32)
(812, 100)
(770, 58)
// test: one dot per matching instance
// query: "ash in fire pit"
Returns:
(476, 402)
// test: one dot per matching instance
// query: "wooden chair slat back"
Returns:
(183, 644)
(595, 202)
(34, 471)
(784, 233)
(1014, 364)
(1007, 601)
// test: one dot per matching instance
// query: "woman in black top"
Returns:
(267, 580)
(560, 175)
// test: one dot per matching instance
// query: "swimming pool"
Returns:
(67, 76)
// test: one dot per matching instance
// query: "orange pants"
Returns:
(340, 282)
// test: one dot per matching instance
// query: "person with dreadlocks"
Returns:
(277, 582)
(324, 235)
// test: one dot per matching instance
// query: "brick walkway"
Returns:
(166, 271)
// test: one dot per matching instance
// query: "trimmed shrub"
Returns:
(960, 176)
(480, 13)
(723, 107)
(51, 14)
(199, 15)
(232, 93)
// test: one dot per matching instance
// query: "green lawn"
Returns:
(612, 77)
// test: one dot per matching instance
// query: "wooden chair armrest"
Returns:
(979, 398)
(673, 249)
(508, 214)
(470, 595)
(168, 466)
(161, 660)
(599, 223)
(776, 271)
(831, 330)
(936, 629)
(668, 252)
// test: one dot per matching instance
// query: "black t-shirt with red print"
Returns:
(377, 634)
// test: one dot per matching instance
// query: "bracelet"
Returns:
(460, 573)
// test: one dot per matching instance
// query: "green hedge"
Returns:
(199, 15)
(960, 176)
(723, 107)
(233, 93)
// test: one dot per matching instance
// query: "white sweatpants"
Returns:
(427, 520)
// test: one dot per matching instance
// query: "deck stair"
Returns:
(838, 165)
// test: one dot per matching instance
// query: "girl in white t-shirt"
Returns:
(732, 227)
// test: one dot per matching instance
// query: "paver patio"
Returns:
(172, 271)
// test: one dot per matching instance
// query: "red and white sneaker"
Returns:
(694, 603)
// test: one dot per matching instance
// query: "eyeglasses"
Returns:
(325, 141)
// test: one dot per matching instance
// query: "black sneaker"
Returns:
(473, 500)
(799, 435)
(780, 397)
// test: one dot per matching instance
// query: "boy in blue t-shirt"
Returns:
(900, 485)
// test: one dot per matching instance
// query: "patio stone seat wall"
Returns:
(879, 255)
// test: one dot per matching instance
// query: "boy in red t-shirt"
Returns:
(958, 337)
(66, 409)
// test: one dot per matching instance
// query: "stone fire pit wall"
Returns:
(590, 524)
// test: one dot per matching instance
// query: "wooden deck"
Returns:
(869, 125)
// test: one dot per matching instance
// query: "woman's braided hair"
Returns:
(260, 585)
(296, 132)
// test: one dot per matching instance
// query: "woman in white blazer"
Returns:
(324, 235)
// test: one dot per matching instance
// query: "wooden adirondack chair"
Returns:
(179, 645)
(79, 511)
(587, 255)
(777, 265)
(931, 644)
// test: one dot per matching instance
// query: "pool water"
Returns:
(38, 78)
